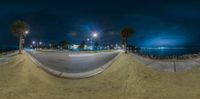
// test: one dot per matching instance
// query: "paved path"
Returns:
(6, 58)
(73, 62)
(169, 66)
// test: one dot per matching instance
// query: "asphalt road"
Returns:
(71, 62)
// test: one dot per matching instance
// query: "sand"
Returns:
(20, 78)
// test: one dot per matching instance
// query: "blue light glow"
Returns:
(162, 47)
(164, 41)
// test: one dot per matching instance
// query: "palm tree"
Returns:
(126, 33)
(82, 45)
(64, 44)
(96, 44)
(20, 29)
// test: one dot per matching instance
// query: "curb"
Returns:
(74, 75)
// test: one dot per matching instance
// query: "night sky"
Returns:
(173, 23)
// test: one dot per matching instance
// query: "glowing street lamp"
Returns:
(26, 32)
(40, 43)
(94, 35)
(33, 42)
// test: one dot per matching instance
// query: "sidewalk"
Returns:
(6, 57)
(168, 66)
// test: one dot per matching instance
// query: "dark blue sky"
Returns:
(156, 22)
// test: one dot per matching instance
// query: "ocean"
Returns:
(161, 51)
(7, 49)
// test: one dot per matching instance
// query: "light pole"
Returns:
(94, 35)
(22, 39)
(88, 41)
(33, 42)
(40, 45)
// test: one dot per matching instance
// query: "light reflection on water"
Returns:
(164, 51)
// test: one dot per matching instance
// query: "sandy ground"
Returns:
(125, 79)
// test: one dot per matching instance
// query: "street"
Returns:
(72, 62)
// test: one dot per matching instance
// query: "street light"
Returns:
(26, 32)
(94, 35)
(40, 43)
(33, 42)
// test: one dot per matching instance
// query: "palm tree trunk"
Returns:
(125, 45)
(20, 44)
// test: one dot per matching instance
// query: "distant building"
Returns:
(73, 47)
